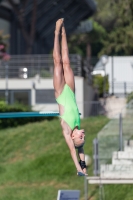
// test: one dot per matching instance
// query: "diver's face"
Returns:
(78, 136)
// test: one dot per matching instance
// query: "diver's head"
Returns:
(78, 137)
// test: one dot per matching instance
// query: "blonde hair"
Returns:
(77, 143)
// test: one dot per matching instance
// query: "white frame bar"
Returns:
(100, 180)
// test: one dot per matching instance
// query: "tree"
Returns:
(116, 17)
(105, 15)
(103, 21)
(112, 30)
(78, 42)
(3, 46)
(28, 32)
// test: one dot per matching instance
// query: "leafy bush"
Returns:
(13, 108)
(12, 122)
(129, 97)
(98, 81)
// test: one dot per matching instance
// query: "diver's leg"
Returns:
(68, 73)
(58, 79)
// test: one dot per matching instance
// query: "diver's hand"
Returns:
(84, 170)
(81, 173)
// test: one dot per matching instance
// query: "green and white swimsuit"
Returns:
(71, 112)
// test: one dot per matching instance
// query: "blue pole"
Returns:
(28, 114)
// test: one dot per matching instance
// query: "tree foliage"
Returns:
(3, 46)
(130, 97)
(3, 38)
(78, 42)
(112, 30)
(105, 15)
(119, 40)
(99, 81)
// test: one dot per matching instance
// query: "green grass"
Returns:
(35, 161)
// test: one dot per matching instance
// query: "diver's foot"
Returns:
(63, 29)
(58, 25)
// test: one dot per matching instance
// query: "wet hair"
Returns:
(79, 146)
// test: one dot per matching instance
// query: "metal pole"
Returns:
(120, 133)
(125, 88)
(6, 77)
(112, 75)
(104, 92)
(95, 157)
(86, 188)
(96, 166)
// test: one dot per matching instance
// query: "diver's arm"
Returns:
(71, 146)
(69, 141)
(82, 159)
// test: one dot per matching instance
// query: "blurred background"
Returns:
(100, 35)
(100, 45)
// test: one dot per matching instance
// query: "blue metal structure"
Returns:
(28, 114)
